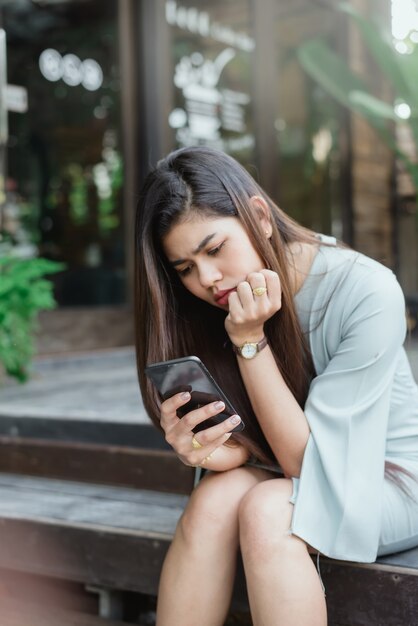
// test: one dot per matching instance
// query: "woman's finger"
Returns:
(169, 408)
(199, 458)
(258, 285)
(179, 434)
(235, 307)
(194, 418)
(245, 294)
(209, 436)
(198, 447)
(244, 304)
(273, 285)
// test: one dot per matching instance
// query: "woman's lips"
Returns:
(221, 297)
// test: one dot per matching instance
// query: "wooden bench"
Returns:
(18, 613)
(113, 536)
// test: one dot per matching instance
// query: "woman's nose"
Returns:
(209, 275)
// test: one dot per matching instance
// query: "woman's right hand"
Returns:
(179, 431)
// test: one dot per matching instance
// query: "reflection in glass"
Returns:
(308, 123)
(65, 169)
(211, 68)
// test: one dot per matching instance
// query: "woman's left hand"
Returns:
(248, 311)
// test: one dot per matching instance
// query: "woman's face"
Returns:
(211, 256)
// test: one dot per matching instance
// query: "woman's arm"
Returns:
(282, 420)
(352, 384)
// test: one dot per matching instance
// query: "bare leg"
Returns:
(198, 574)
(283, 585)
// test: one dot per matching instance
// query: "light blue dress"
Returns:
(362, 409)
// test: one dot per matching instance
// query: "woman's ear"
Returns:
(262, 211)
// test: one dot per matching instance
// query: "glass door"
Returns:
(64, 162)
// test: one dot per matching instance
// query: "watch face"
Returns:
(249, 350)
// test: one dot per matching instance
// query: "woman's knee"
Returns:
(213, 506)
(265, 516)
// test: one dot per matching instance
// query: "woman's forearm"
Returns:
(282, 420)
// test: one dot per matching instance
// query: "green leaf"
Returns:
(329, 70)
(6, 285)
(23, 293)
(29, 269)
(333, 74)
(381, 48)
(371, 106)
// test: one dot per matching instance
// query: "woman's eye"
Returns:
(215, 251)
(186, 271)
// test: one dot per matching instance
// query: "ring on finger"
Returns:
(195, 444)
(259, 291)
(206, 459)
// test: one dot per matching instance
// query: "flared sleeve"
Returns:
(338, 496)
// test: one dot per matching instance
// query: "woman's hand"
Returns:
(247, 311)
(179, 431)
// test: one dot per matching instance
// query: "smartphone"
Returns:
(189, 374)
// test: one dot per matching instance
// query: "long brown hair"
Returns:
(170, 322)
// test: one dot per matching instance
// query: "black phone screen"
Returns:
(189, 374)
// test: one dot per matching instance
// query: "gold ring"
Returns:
(259, 291)
(206, 459)
(195, 444)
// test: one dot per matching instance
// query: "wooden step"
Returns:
(96, 431)
(158, 470)
(94, 534)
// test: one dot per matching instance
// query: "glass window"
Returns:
(65, 168)
(309, 124)
(211, 57)
(214, 64)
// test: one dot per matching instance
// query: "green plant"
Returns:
(334, 75)
(23, 293)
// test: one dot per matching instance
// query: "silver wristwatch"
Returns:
(249, 349)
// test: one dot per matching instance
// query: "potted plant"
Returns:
(24, 290)
(23, 293)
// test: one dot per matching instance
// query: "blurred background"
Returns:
(99, 89)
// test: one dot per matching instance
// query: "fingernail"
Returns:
(235, 419)
(185, 395)
(219, 405)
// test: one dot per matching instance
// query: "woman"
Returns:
(305, 337)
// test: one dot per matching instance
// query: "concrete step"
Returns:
(88, 397)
